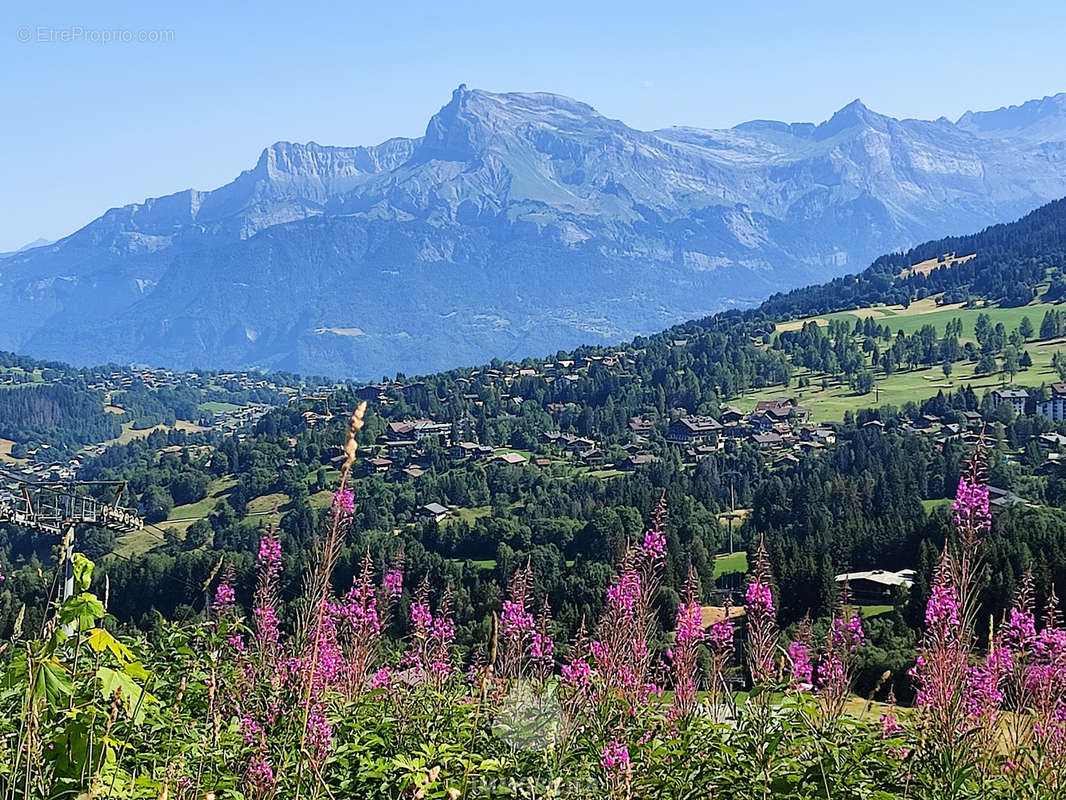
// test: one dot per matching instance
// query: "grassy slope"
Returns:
(898, 388)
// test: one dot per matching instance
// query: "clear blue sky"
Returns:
(88, 125)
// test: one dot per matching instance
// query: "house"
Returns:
(1051, 440)
(767, 441)
(876, 584)
(702, 429)
(434, 511)
(818, 434)
(377, 465)
(470, 450)
(972, 419)
(514, 459)
(639, 460)
(1017, 398)
(591, 456)
(781, 409)
(413, 471)
(730, 415)
(998, 499)
(420, 429)
(761, 423)
(1055, 406)
(401, 449)
(701, 451)
(542, 462)
(640, 425)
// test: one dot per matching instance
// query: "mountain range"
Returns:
(519, 224)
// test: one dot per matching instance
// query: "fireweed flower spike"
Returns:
(687, 640)
(949, 691)
(761, 619)
(800, 658)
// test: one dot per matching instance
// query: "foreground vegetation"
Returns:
(363, 693)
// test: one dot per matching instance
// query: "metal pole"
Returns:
(68, 565)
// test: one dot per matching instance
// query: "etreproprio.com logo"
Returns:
(75, 34)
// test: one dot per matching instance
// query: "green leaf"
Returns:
(99, 639)
(83, 571)
(51, 681)
(83, 609)
(111, 681)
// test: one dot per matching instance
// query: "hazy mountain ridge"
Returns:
(520, 223)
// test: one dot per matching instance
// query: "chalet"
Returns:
(470, 450)
(513, 459)
(640, 425)
(401, 449)
(767, 441)
(542, 462)
(786, 460)
(1054, 407)
(874, 423)
(420, 429)
(1051, 440)
(761, 423)
(378, 465)
(818, 434)
(1017, 398)
(876, 584)
(730, 415)
(999, 499)
(434, 511)
(413, 471)
(686, 430)
(701, 451)
(781, 409)
(639, 460)
(592, 455)
(972, 419)
(578, 444)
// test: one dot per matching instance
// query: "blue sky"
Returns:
(90, 124)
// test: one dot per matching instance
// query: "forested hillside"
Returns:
(557, 460)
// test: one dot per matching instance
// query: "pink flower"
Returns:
(225, 597)
(970, 509)
(393, 582)
(515, 620)
(654, 544)
(343, 502)
(623, 594)
(720, 635)
(942, 609)
(269, 555)
(615, 757)
(799, 653)
(689, 622)
(577, 673)
(759, 600)
(319, 732)
(890, 725)
(261, 774)
(420, 616)
(1020, 630)
(381, 678)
